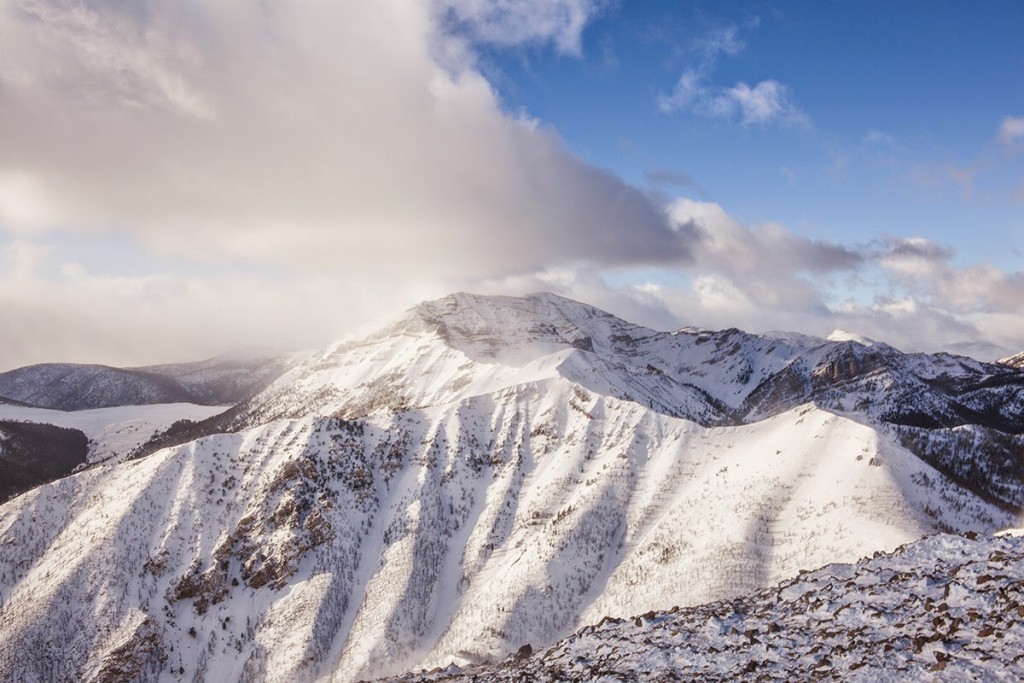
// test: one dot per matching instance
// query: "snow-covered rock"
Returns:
(945, 608)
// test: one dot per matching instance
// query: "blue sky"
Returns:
(184, 177)
(902, 105)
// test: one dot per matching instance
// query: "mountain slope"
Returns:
(68, 386)
(482, 473)
(466, 345)
(226, 379)
(944, 608)
(38, 445)
(374, 546)
(1014, 361)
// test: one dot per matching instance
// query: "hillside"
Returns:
(941, 609)
(486, 472)
(68, 386)
(1014, 361)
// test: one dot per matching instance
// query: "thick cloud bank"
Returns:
(180, 177)
(318, 135)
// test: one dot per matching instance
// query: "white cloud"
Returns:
(688, 90)
(59, 309)
(904, 291)
(512, 22)
(726, 244)
(344, 157)
(927, 270)
(721, 41)
(314, 164)
(767, 102)
(907, 292)
(914, 256)
(316, 136)
(1011, 131)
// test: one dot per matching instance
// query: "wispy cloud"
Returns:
(880, 139)
(514, 22)
(766, 102)
(943, 175)
(1011, 131)
(717, 42)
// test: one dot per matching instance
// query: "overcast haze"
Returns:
(180, 178)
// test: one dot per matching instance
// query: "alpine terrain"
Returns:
(941, 609)
(485, 473)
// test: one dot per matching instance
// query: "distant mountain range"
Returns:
(487, 472)
(67, 386)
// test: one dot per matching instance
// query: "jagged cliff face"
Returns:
(487, 472)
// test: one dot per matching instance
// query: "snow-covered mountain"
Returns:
(714, 378)
(69, 386)
(1014, 361)
(945, 608)
(486, 472)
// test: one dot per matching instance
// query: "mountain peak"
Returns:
(504, 327)
(839, 335)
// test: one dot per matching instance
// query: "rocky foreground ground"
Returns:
(944, 608)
